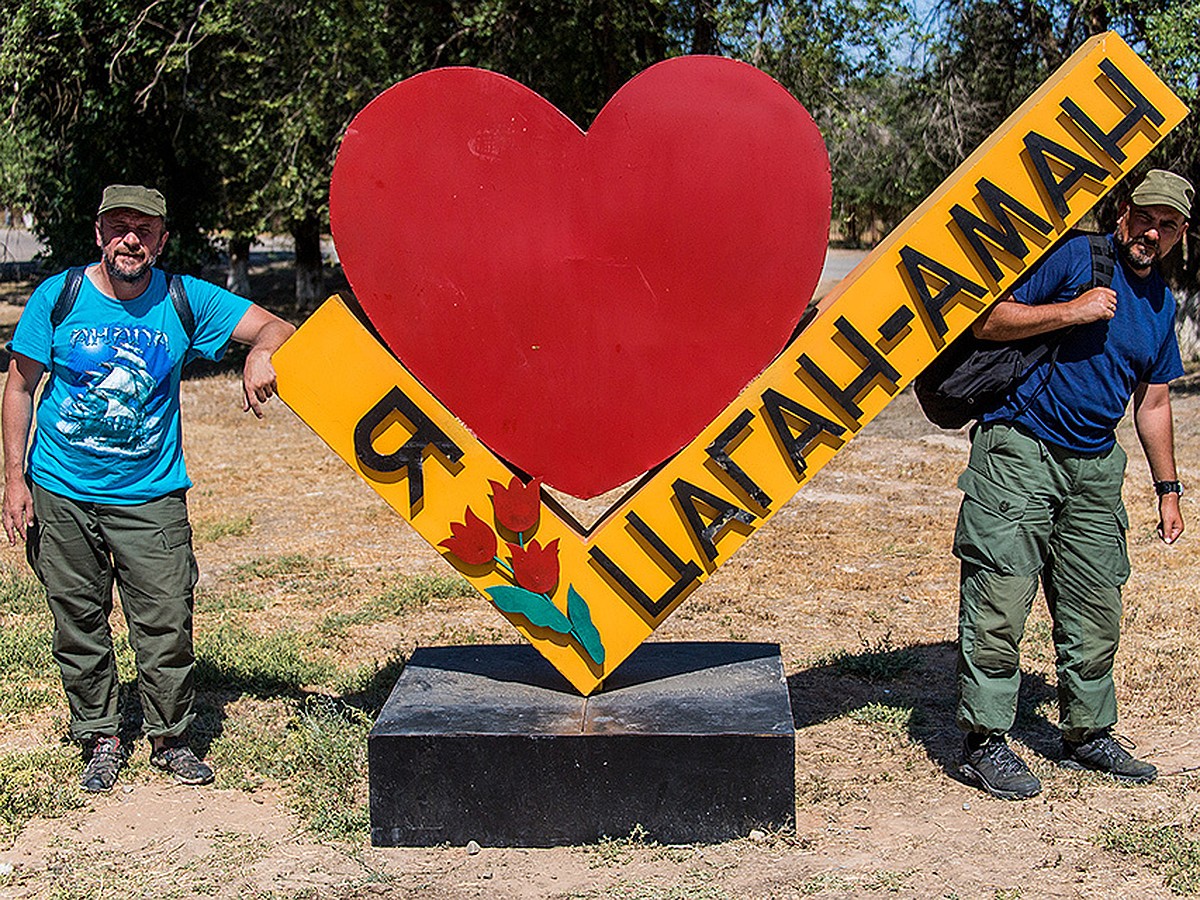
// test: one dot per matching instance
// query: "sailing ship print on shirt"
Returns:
(120, 381)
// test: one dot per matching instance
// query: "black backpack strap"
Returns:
(66, 297)
(1104, 263)
(183, 308)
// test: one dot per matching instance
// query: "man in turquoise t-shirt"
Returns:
(1042, 490)
(102, 496)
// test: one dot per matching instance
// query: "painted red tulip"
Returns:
(536, 567)
(518, 505)
(471, 540)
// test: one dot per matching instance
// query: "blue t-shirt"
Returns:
(1099, 364)
(108, 424)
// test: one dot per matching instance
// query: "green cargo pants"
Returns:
(1031, 510)
(78, 550)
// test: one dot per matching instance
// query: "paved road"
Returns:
(19, 246)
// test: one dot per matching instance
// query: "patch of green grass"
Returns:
(825, 882)
(404, 595)
(369, 685)
(322, 581)
(237, 600)
(20, 698)
(288, 565)
(878, 661)
(1171, 850)
(233, 657)
(893, 719)
(208, 530)
(617, 851)
(21, 594)
(24, 648)
(314, 750)
(26, 665)
(327, 742)
(36, 783)
(693, 887)
(886, 880)
(416, 591)
(460, 634)
(251, 746)
(337, 623)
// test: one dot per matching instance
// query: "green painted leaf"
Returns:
(584, 630)
(534, 607)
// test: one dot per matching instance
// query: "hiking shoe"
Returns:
(1104, 753)
(180, 761)
(100, 772)
(989, 763)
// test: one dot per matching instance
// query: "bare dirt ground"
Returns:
(853, 579)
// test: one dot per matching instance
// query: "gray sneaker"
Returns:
(100, 772)
(179, 760)
(988, 762)
(1102, 752)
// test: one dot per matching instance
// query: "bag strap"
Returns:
(66, 297)
(1104, 263)
(1104, 266)
(183, 308)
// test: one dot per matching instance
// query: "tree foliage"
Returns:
(990, 54)
(235, 107)
(100, 93)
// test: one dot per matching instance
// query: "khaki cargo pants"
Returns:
(1030, 510)
(78, 550)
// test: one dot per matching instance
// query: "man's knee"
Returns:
(992, 614)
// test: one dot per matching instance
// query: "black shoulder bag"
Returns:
(973, 376)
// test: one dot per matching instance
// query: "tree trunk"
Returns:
(704, 27)
(238, 277)
(1181, 268)
(1187, 324)
(307, 236)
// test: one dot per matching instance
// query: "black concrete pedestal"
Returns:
(690, 741)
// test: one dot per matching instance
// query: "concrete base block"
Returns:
(690, 741)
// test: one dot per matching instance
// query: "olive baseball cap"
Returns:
(1162, 188)
(133, 196)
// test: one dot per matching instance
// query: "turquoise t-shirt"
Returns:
(108, 425)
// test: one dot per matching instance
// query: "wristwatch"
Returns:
(1168, 487)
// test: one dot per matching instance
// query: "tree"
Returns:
(99, 95)
(289, 83)
(992, 53)
(837, 58)
(1168, 36)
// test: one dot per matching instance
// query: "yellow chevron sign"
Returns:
(586, 601)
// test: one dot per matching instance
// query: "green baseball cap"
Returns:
(133, 196)
(1162, 188)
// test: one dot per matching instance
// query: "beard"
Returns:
(1138, 253)
(129, 276)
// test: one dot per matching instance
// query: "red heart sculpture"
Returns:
(584, 302)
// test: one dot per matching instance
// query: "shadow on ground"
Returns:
(219, 686)
(919, 678)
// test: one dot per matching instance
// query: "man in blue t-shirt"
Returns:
(1042, 490)
(102, 495)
